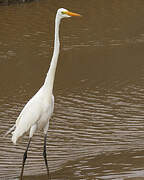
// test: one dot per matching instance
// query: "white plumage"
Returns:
(38, 110)
(35, 115)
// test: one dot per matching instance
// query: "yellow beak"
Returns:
(72, 14)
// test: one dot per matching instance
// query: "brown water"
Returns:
(97, 131)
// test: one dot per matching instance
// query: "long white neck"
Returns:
(49, 81)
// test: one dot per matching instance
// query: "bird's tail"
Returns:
(10, 130)
(14, 138)
(17, 133)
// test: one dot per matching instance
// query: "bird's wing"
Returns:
(30, 114)
(32, 110)
(27, 118)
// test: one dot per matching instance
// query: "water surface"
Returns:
(96, 131)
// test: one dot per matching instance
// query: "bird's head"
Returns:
(64, 13)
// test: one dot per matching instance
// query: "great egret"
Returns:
(38, 110)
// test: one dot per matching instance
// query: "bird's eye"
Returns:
(63, 12)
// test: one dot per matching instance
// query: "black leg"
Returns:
(45, 156)
(24, 159)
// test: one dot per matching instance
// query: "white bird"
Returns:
(39, 109)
